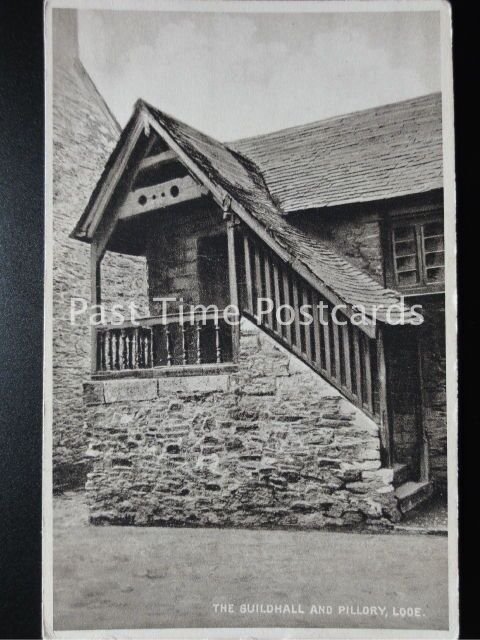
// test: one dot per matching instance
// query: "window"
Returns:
(418, 254)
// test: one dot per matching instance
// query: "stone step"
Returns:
(401, 473)
(411, 494)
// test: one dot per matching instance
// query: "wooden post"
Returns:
(346, 355)
(306, 328)
(286, 297)
(248, 273)
(268, 288)
(317, 331)
(258, 276)
(424, 447)
(296, 324)
(368, 372)
(326, 341)
(95, 297)
(358, 364)
(383, 397)
(336, 352)
(232, 277)
(276, 289)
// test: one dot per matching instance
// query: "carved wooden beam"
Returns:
(157, 160)
(160, 196)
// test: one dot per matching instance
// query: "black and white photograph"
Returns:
(250, 411)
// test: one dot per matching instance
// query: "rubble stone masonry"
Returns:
(84, 134)
(266, 443)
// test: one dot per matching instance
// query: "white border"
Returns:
(47, 483)
(263, 6)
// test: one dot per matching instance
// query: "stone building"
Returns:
(190, 420)
(84, 134)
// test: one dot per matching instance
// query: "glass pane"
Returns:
(434, 259)
(433, 244)
(433, 229)
(407, 263)
(404, 233)
(405, 248)
(407, 278)
(435, 274)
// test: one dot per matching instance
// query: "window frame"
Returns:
(418, 222)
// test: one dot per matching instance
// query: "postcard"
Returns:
(250, 415)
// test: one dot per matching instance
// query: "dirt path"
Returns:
(128, 577)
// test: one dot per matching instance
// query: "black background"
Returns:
(21, 314)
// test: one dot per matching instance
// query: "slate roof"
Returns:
(388, 151)
(243, 182)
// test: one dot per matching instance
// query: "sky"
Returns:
(233, 75)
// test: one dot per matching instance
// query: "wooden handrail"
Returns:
(175, 318)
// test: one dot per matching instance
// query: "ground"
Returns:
(130, 577)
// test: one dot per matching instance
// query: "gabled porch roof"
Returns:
(237, 185)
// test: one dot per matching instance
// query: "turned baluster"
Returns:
(146, 348)
(199, 345)
(136, 349)
(122, 350)
(169, 348)
(184, 343)
(143, 348)
(109, 362)
(130, 350)
(218, 348)
(114, 349)
(101, 340)
(150, 348)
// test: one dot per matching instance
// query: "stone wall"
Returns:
(355, 237)
(173, 257)
(404, 394)
(84, 134)
(360, 242)
(434, 379)
(267, 444)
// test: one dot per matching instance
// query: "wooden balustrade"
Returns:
(159, 342)
(340, 351)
